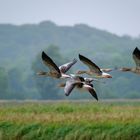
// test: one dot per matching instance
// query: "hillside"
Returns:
(20, 45)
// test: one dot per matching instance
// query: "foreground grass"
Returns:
(85, 120)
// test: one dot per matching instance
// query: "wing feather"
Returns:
(70, 85)
(92, 66)
(93, 93)
(64, 68)
(136, 57)
(50, 63)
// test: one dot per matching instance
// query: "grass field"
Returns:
(70, 120)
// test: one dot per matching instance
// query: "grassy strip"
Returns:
(70, 121)
(11, 131)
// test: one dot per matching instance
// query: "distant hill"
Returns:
(19, 46)
(28, 39)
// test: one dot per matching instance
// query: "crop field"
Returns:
(70, 120)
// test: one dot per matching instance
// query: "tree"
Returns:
(15, 84)
(3, 83)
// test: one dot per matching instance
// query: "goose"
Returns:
(93, 68)
(55, 71)
(136, 58)
(80, 83)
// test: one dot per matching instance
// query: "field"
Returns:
(70, 120)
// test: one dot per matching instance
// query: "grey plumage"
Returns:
(55, 71)
(80, 83)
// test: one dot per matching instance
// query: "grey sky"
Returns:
(117, 16)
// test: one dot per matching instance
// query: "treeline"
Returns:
(20, 59)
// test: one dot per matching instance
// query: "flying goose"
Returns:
(80, 83)
(93, 68)
(55, 71)
(136, 58)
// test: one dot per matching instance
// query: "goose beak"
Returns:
(61, 85)
(108, 76)
(41, 73)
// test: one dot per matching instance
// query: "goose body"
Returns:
(136, 58)
(94, 70)
(55, 71)
(79, 83)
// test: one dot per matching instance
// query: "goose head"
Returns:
(125, 69)
(106, 75)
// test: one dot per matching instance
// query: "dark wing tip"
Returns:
(96, 97)
(89, 62)
(44, 55)
(83, 58)
(80, 56)
(66, 94)
(93, 93)
(136, 51)
(49, 62)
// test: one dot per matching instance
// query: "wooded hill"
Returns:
(20, 58)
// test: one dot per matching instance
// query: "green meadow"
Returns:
(70, 120)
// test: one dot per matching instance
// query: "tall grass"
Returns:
(85, 120)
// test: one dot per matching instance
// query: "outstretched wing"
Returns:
(92, 66)
(93, 93)
(70, 84)
(136, 57)
(64, 68)
(49, 62)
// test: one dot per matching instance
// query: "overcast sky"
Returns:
(116, 16)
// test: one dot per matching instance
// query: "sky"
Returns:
(121, 17)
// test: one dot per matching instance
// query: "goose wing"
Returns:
(136, 57)
(64, 68)
(49, 62)
(92, 66)
(70, 85)
(93, 93)
(77, 78)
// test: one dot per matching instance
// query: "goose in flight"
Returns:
(55, 71)
(93, 68)
(80, 83)
(136, 58)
